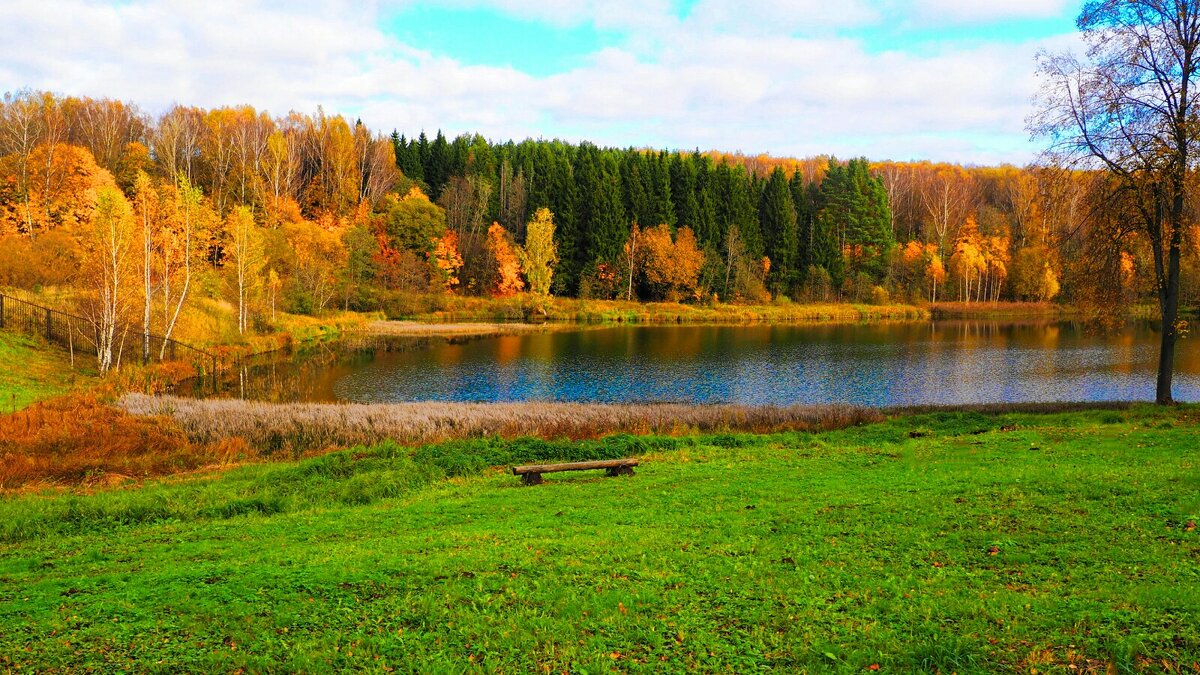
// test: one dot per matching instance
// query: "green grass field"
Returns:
(947, 542)
(34, 372)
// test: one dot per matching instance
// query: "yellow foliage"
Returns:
(540, 254)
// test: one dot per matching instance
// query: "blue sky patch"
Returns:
(485, 36)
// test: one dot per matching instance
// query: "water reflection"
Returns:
(886, 364)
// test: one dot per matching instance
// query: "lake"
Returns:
(877, 365)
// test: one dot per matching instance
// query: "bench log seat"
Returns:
(532, 474)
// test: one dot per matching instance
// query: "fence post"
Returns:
(1, 311)
(49, 327)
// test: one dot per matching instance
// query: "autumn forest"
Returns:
(304, 213)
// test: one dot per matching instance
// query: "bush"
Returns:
(879, 296)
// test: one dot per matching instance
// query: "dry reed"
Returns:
(301, 427)
(420, 329)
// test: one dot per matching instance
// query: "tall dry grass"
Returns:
(297, 428)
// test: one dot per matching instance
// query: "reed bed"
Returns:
(425, 329)
(296, 428)
(446, 308)
(999, 310)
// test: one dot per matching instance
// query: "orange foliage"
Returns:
(1128, 268)
(671, 268)
(922, 261)
(62, 183)
(50, 260)
(508, 265)
(56, 442)
(446, 259)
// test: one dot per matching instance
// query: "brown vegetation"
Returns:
(292, 429)
(78, 440)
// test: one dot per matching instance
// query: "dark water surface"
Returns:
(883, 364)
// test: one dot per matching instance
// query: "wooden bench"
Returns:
(532, 474)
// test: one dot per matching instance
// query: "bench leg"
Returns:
(532, 479)
(621, 471)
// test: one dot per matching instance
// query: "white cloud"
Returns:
(982, 11)
(718, 78)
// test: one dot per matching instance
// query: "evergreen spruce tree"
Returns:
(412, 160)
(870, 227)
(437, 169)
(777, 218)
(802, 201)
(663, 209)
(683, 191)
(707, 232)
(633, 186)
(745, 205)
(835, 208)
(608, 228)
(423, 152)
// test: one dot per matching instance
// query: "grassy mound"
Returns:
(43, 373)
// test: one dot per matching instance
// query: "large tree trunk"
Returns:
(1169, 304)
(1166, 356)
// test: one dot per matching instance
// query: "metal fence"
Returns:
(79, 335)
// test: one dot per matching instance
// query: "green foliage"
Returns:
(414, 223)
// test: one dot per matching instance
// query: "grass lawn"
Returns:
(43, 371)
(951, 542)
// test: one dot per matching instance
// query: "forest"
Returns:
(138, 215)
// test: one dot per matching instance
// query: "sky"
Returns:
(946, 80)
